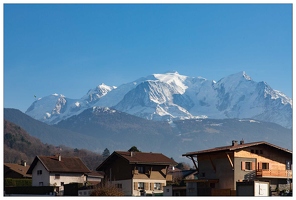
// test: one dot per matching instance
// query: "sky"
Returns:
(71, 48)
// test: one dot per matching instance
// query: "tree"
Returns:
(134, 149)
(107, 190)
(106, 153)
(183, 166)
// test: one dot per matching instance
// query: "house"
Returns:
(178, 187)
(13, 170)
(57, 171)
(137, 173)
(93, 179)
(221, 167)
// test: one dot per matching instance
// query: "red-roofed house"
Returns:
(137, 173)
(221, 167)
(57, 171)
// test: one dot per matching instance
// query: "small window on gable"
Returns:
(256, 151)
(39, 172)
(265, 165)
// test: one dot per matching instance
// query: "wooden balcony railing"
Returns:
(274, 173)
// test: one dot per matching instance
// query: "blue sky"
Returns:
(69, 49)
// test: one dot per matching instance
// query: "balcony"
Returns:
(274, 173)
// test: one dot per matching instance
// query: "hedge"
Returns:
(13, 182)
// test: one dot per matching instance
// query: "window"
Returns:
(62, 183)
(167, 190)
(57, 176)
(118, 185)
(39, 172)
(141, 169)
(157, 186)
(203, 174)
(261, 151)
(40, 183)
(140, 185)
(248, 165)
(265, 165)
(256, 151)
(252, 150)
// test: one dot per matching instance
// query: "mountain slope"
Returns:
(19, 145)
(49, 134)
(172, 96)
(115, 130)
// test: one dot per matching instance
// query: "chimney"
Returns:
(23, 163)
(234, 143)
(242, 142)
(132, 153)
(60, 157)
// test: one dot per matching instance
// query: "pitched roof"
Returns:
(65, 165)
(235, 147)
(139, 158)
(18, 168)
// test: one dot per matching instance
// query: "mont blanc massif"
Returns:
(168, 113)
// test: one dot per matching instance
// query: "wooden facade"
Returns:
(243, 162)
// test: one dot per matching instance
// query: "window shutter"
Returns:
(161, 186)
(253, 166)
(259, 165)
(151, 186)
(135, 186)
(146, 186)
(243, 165)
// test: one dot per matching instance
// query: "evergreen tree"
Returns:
(134, 149)
(106, 153)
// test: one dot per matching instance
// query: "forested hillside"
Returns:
(19, 145)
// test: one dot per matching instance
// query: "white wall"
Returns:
(66, 178)
(44, 177)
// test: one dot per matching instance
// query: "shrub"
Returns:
(106, 190)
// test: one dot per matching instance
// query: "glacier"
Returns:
(172, 96)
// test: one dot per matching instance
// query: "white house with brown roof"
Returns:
(57, 171)
(221, 167)
(137, 173)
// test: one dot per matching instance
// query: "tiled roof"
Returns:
(235, 147)
(146, 158)
(95, 174)
(138, 158)
(18, 169)
(66, 165)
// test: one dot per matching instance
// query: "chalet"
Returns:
(13, 170)
(137, 173)
(57, 171)
(220, 168)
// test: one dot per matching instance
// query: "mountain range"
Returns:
(171, 96)
(168, 113)
(98, 128)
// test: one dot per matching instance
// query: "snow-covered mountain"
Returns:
(171, 96)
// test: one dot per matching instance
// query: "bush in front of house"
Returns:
(13, 182)
(106, 190)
